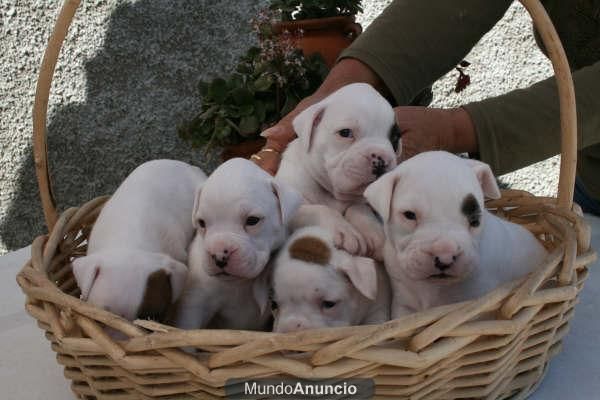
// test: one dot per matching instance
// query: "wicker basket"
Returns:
(494, 347)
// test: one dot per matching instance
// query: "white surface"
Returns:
(28, 368)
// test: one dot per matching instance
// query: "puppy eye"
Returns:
(201, 223)
(410, 215)
(252, 220)
(328, 304)
(345, 133)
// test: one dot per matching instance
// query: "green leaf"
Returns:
(249, 125)
(232, 125)
(223, 132)
(218, 90)
(233, 111)
(263, 83)
(246, 110)
(260, 110)
(209, 113)
(242, 96)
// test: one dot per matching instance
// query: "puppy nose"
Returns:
(221, 262)
(378, 164)
(445, 263)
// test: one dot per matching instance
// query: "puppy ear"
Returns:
(380, 193)
(362, 272)
(196, 206)
(306, 123)
(288, 198)
(486, 178)
(177, 273)
(86, 270)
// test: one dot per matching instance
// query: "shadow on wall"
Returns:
(140, 86)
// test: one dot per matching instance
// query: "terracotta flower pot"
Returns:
(244, 149)
(328, 36)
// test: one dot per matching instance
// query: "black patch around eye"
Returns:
(471, 209)
(201, 223)
(394, 136)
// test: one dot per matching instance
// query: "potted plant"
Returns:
(322, 26)
(268, 82)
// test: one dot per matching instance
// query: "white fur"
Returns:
(358, 286)
(228, 255)
(475, 259)
(144, 227)
(211, 301)
(331, 170)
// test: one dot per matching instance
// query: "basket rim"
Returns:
(45, 246)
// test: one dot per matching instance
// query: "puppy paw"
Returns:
(363, 220)
(346, 237)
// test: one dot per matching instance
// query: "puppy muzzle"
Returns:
(231, 256)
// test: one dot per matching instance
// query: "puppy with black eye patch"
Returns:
(441, 244)
(315, 285)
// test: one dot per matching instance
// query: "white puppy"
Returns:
(137, 252)
(344, 143)
(316, 286)
(241, 214)
(442, 245)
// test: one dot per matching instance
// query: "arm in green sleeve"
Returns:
(415, 42)
(523, 126)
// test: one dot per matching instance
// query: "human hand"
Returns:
(427, 129)
(279, 135)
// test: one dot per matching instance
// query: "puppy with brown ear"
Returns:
(345, 142)
(316, 285)
(137, 252)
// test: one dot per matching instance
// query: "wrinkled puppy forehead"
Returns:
(237, 179)
(359, 104)
(440, 176)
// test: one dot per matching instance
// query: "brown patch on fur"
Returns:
(310, 249)
(157, 297)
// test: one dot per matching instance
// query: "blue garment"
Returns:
(583, 198)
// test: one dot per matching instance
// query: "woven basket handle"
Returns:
(556, 53)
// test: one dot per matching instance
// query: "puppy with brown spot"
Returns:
(137, 251)
(316, 285)
(442, 246)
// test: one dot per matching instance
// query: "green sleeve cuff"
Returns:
(402, 95)
(489, 149)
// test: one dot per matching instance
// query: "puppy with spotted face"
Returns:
(137, 252)
(344, 143)
(316, 285)
(442, 246)
(241, 215)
